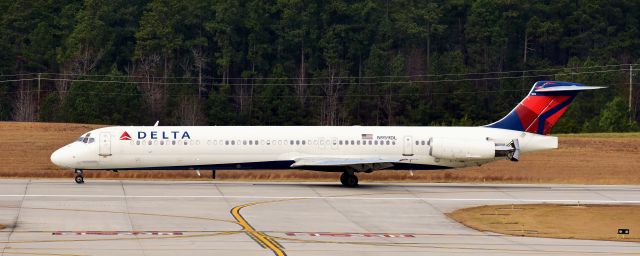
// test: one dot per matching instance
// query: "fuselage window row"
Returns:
(273, 142)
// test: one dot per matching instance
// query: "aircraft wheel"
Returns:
(349, 180)
(79, 179)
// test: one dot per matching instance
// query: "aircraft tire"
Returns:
(349, 180)
(79, 179)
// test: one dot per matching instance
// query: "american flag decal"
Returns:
(367, 136)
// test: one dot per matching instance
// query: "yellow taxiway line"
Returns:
(260, 237)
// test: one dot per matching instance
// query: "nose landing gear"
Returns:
(79, 178)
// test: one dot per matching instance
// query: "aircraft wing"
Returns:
(338, 161)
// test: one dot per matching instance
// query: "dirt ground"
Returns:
(593, 222)
(581, 159)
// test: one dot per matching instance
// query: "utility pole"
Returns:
(631, 91)
(38, 92)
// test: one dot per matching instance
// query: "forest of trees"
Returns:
(314, 62)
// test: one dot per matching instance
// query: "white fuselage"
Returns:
(233, 147)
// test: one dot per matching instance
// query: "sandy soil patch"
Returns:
(593, 222)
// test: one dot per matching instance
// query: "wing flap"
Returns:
(336, 161)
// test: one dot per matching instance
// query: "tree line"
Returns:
(313, 62)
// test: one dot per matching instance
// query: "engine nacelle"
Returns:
(462, 149)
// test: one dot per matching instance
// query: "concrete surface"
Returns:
(113, 217)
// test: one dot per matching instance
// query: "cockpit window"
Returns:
(85, 138)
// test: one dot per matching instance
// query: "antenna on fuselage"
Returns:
(157, 122)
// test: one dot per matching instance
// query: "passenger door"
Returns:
(105, 144)
(407, 149)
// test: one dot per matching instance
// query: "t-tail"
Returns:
(542, 108)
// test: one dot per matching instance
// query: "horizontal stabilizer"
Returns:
(566, 88)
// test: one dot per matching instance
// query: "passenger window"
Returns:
(393, 142)
(226, 142)
(150, 142)
(302, 142)
(250, 142)
(370, 142)
(358, 142)
(353, 142)
(161, 142)
(375, 142)
(297, 142)
(244, 142)
(186, 143)
(255, 142)
(137, 142)
(340, 142)
(422, 143)
(215, 142)
(233, 142)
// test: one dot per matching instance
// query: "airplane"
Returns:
(346, 149)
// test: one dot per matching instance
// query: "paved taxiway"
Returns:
(105, 217)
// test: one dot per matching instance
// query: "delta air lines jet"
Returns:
(346, 149)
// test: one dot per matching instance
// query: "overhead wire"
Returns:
(208, 78)
(292, 96)
(340, 83)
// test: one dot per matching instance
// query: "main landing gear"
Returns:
(349, 179)
(79, 178)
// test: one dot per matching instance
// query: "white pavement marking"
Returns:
(586, 201)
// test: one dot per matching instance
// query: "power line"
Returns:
(341, 83)
(621, 66)
(296, 96)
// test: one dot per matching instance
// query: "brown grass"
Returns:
(1, 227)
(593, 222)
(582, 159)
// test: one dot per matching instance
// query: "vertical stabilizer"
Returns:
(542, 108)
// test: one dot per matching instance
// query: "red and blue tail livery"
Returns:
(542, 108)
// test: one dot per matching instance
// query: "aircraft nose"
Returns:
(60, 158)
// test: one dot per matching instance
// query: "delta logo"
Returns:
(125, 136)
(154, 135)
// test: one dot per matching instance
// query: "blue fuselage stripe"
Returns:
(281, 165)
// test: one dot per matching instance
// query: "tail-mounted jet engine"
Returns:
(472, 149)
